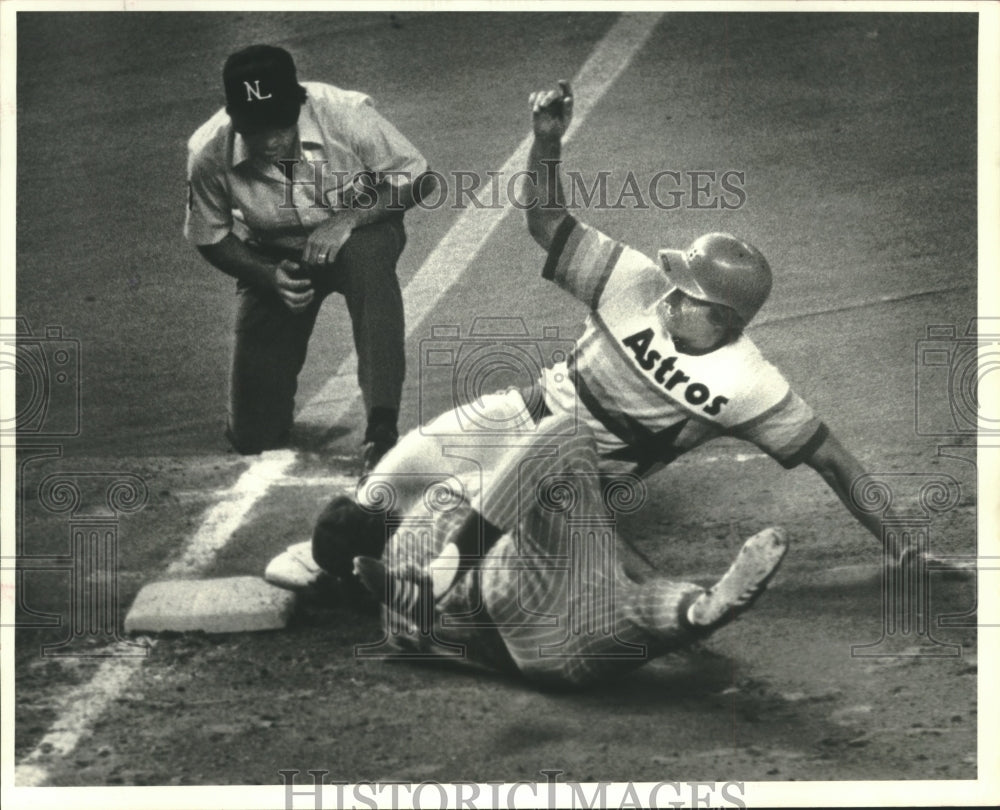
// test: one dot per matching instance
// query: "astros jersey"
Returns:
(645, 401)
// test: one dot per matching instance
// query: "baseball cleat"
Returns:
(410, 596)
(745, 580)
(294, 569)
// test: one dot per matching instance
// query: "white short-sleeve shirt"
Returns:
(341, 136)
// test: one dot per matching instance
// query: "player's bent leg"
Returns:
(404, 480)
(550, 568)
(655, 612)
(558, 445)
(665, 614)
(743, 583)
(404, 473)
(448, 446)
(606, 632)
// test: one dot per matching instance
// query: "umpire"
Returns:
(297, 191)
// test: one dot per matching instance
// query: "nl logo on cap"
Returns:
(254, 92)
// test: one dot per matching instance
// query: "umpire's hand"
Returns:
(325, 242)
(551, 111)
(295, 290)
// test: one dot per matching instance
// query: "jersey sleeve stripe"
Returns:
(807, 449)
(609, 268)
(587, 264)
(566, 227)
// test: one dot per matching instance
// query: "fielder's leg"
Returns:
(555, 587)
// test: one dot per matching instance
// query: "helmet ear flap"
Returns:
(727, 317)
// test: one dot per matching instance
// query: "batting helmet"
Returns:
(722, 269)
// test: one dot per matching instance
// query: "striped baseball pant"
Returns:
(550, 598)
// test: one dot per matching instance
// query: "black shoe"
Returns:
(410, 596)
(255, 448)
(379, 440)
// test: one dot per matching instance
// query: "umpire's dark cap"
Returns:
(262, 90)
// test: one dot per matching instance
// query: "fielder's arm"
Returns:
(551, 113)
(840, 469)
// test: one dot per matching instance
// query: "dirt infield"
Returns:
(855, 138)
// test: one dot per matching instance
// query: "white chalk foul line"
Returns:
(439, 272)
(87, 702)
(229, 513)
(84, 705)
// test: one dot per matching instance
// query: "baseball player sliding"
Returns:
(499, 570)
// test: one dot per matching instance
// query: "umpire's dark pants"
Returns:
(271, 340)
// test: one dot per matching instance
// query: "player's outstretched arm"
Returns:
(551, 113)
(840, 469)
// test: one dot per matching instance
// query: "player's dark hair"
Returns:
(344, 531)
